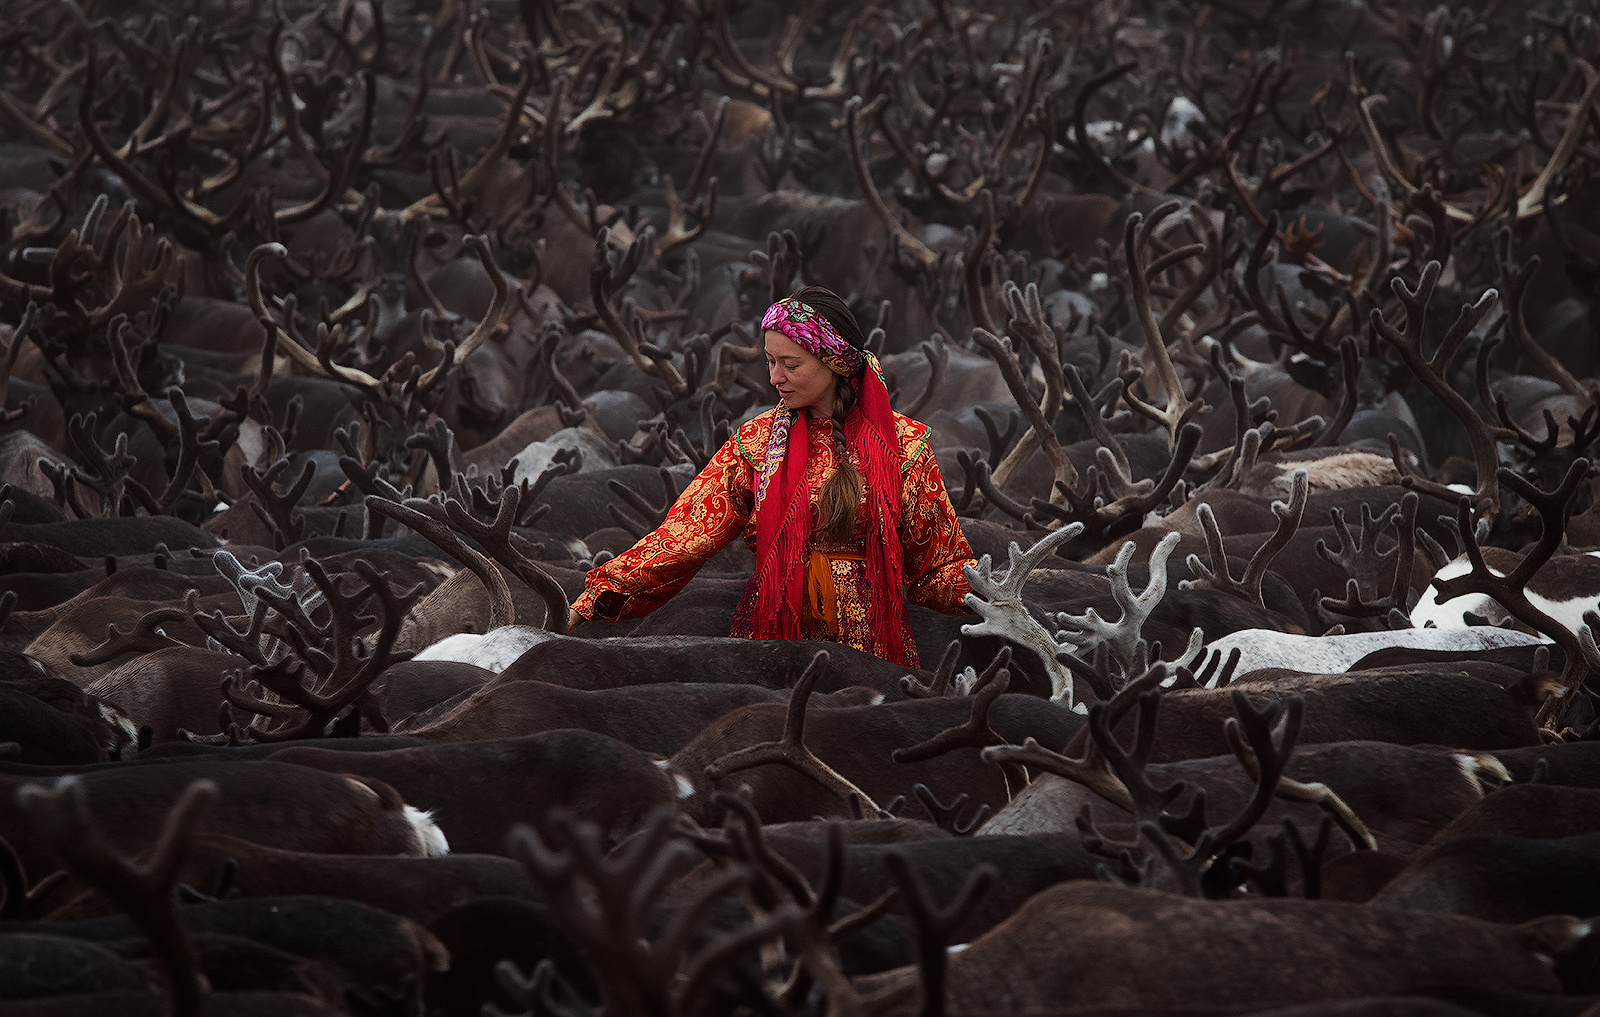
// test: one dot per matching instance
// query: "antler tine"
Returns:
(1311, 793)
(1359, 556)
(1093, 774)
(190, 449)
(144, 637)
(756, 853)
(942, 675)
(1089, 409)
(1309, 855)
(9, 351)
(1258, 725)
(1254, 728)
(1041, 430)
(978, 474)
(340, 670)
(935, 925)
(604, 903)
(1586, 640)
(499, 305)
(249, 584)
(1021, 564)
(610, 270)
(307, 359)
(938, 357)
(1350, 374)
(1218, 576)
(21, 901)
(816, 930)
(1363, 563)
(1517, 278)
(791, 750)
(648, 516)
(246, 644)
(1137, 499)
(1533, 200)
(133, 398)
(948, 816)
(274, 509)
(976, 732)
(143, 891)
(532, 991)
(1130, 766)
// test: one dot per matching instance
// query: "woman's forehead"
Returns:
(780, 345)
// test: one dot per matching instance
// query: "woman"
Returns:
(839, 496)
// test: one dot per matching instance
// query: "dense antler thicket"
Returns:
(478, 255)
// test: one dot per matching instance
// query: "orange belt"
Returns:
(822, 601)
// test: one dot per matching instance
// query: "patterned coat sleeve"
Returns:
(935, 548)
(709, 513)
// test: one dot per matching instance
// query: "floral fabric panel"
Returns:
(719, 504)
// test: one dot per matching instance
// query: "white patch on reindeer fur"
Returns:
(1484, 772)
(120, 722)
(1182, 116)
(680, 783)
(493, 651)
(956, 948)
(430, 839)
(1261, 648)
(1452, 613)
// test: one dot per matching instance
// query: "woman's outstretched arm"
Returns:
(711, 511)
(935, 548)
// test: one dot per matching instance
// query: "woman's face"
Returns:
(801, 378)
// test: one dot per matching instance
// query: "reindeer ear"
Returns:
(1533, 688)
(1554, 935)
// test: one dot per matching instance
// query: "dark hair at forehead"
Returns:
(831, 306)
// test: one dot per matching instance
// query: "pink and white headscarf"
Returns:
(816, 335)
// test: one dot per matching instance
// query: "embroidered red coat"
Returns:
(718, 505)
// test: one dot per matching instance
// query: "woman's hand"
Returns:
(573, 618)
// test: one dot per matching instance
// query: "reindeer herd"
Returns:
(1257, 340)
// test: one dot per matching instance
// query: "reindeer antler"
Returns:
(1218, 576)
(976, 733)
(791, 750)
(1431, 371)
(998, 601)
(1089, 630)
(1510, 590)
